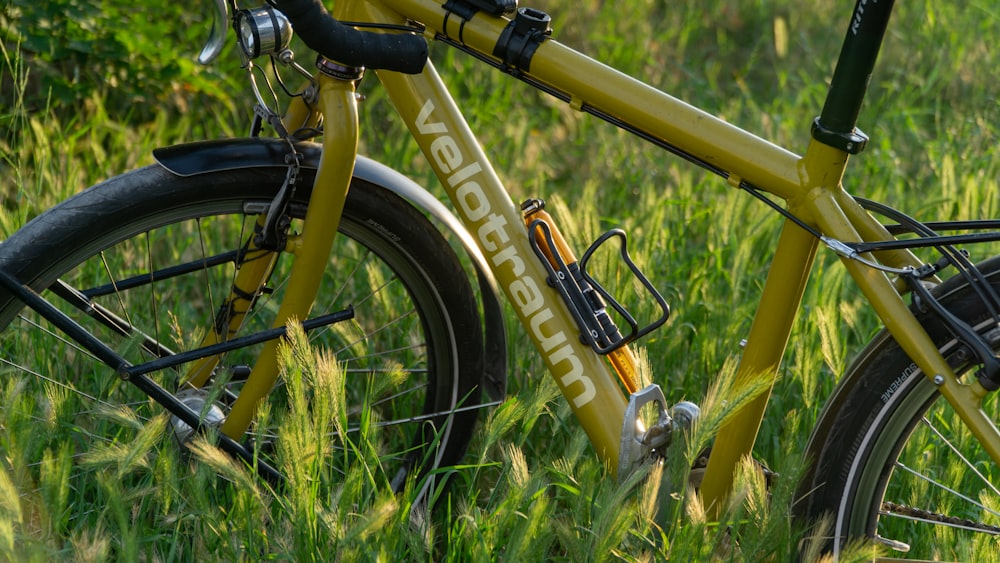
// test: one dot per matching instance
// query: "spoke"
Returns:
(69, 388)
(384, 327)
(426, 416)
(204, 256)
(186, 264)
(117, 293)
(376, 290)
(413, 389)
(358, 301)
(408, 371)
(108, 319)
(264, 299)
(407, 420)
(948, 489)
(967, 463)
(48, 379)
(350, 276)
(59, 337)
(379, 354)
(154, 303)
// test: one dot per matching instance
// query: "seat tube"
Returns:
(764, 348)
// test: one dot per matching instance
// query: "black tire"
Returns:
(412, 357)
(883, 450)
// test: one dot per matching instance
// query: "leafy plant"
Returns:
(139, 57)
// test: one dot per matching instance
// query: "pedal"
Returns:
(640, 445)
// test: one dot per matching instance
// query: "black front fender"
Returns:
(232, 154)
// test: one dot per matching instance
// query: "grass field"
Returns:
(532, 488)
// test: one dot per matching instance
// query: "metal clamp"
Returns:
(521, 38)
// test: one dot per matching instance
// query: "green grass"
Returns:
(532, 488)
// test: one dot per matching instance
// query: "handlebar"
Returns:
(334, 40)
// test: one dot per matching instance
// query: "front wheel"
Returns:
(892, 462)
(145, 260)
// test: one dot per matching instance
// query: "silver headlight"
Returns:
(264, 31)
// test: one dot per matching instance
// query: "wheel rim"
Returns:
(922, 482)
(95, 413)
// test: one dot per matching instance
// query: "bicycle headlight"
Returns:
(264, 31)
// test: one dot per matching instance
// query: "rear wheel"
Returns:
(156, 252)
(892, 460)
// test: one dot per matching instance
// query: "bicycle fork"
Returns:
(338, 103)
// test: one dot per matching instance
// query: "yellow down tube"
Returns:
(622, 359)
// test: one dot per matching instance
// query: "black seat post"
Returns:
(837, 124)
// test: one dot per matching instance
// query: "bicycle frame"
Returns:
(810, 185)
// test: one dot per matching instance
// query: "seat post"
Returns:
(837, 124)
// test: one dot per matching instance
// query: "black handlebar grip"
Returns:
(400, 52)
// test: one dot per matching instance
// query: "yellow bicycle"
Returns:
(176, 282)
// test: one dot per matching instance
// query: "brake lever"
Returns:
(217, 39)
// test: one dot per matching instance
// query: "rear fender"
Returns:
(232, 154)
